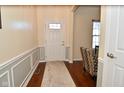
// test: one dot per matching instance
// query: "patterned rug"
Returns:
(57, 75)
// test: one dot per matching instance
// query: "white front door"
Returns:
(54, 48)
(114, 68)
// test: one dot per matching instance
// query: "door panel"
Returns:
(54, 49)
(115, 76)
(118, 46)
(118, 76)
(121, 29)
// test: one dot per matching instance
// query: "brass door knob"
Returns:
(110, 55)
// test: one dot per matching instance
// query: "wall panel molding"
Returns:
(5, 79)
(17, 72)
(100, 72)
(23, 65)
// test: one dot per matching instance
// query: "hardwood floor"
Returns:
(80, 77)
(37, 77)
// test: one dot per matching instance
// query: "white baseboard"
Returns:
(67, 60)
(70, 61)
(25, 82)
(42, 61)
(80, 59)
(64, 60)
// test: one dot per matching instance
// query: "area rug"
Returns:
(57, 75)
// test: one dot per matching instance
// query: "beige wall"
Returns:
(18, 32)
(54, 13)
(23, 27)
(83, 17)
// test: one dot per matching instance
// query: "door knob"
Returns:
(110, 55)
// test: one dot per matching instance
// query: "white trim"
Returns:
(99, 80)
(12, 78)
(70, 61)
(67, 60)
(16, 57)
(43, 57)
(30, 74)
(78, 59)
(42, 61)
(64, 60)
(8, 77)
(107, 31)
(101, 60)
(15, 66)
(31, 60)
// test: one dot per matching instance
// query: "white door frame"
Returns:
(103, 61)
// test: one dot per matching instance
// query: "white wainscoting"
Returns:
(42, 53)
(20, 71)
(5, 79)
(67, 51)
(25, 82)
(17, 71)
(100, 72)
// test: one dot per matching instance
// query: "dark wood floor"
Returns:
(81, 78)
(37, 77)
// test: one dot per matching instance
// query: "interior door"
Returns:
(54, 49)
(115, 54)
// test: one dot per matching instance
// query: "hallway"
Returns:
(74, 73)
(33, 34)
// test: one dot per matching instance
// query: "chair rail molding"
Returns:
(23, 64)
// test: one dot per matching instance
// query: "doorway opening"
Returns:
(86, 38)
